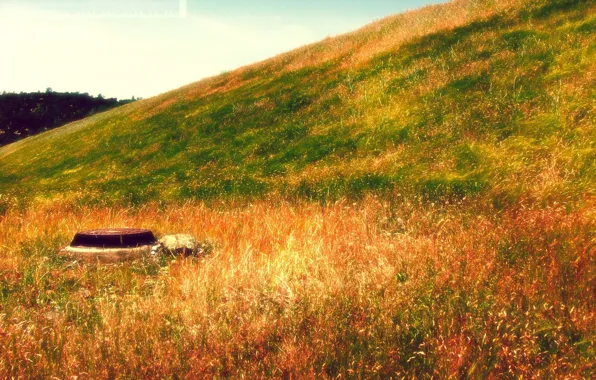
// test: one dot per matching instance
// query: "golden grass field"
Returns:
(416, 199)
(367, 289)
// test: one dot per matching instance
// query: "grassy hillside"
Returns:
(450, 153)
(454, 101)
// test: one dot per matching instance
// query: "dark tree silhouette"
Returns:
(27, 114)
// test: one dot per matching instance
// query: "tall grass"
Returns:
(415, 199)
(374, 288)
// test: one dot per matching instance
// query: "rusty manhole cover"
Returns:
(111, 245)
(113, 238)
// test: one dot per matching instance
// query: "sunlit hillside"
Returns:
(459, 100)
(416, 199)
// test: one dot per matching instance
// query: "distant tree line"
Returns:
(27, 114)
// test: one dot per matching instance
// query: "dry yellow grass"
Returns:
(477, 259)
(302, 290)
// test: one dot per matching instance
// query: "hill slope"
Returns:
(461, 100)
(465, 100)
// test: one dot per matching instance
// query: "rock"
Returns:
(181, 244)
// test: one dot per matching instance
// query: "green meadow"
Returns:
(499, 108)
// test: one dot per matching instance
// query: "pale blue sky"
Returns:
(121, 48)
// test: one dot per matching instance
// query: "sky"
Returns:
(141, 48)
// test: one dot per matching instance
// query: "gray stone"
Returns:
(181, 244)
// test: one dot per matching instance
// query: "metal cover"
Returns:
(113, 238)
